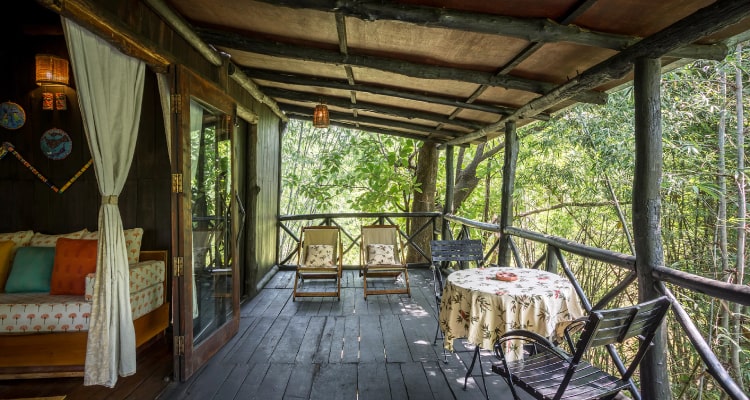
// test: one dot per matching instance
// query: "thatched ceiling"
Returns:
(453, 71)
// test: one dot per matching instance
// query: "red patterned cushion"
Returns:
(74, 258)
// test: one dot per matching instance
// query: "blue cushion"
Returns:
(31, 271)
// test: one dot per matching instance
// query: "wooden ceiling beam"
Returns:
(273, 76)
(414, 70)
(352, 123)
(280, 94)
(531, 29)
(701, 23)
(372, 121)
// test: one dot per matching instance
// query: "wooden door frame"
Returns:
(188, 359)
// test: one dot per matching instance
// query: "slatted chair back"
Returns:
(458, 251)
(605, 327)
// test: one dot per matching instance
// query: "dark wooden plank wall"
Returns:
(267, 208)
(27, 203)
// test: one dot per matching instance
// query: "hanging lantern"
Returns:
(51, 70)
(320, 116)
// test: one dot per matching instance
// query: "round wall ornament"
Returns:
(56, 144)
(12, 115)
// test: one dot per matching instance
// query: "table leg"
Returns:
(476, 357)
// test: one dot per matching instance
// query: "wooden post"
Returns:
(449, 184)
(551, 262)
(647, 212)
(509, 177)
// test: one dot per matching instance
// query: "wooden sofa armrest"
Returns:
(158, 255)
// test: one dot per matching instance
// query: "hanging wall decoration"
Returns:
(48, 101)
(9, 148)
(56, 144)
(12, 115)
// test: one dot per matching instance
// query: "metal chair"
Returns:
(443, 253)
(385, 240)
(549, 372)
(323, 261)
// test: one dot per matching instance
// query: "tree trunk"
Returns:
(722, 217)
(466, 178)
(742, 214)
(424, 198)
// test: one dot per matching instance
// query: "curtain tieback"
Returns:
(109, 199)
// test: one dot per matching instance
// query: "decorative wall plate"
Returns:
(12, 115)
(56, 144)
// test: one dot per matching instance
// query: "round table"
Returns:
(480, 308)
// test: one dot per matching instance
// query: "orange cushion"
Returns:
(74, 259)
(7, 249)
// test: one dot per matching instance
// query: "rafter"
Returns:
(701, 23)
(273, 76)
(281, 94)
(423, 71)
(426, 131)
(531, 29)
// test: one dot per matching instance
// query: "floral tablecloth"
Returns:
(480, 308)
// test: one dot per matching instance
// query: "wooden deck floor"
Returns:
(321, 348)
(314, 348)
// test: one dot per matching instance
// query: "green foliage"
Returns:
(340, 170)
(565, 169)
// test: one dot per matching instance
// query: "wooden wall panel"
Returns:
(267, 210)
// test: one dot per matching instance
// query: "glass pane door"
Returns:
(206, 287)
(210, 185)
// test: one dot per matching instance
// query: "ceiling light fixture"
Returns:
(51, 70)
(320, 116)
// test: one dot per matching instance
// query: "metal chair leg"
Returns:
(434, 342)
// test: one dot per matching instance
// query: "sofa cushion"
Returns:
(21, 238)
(31, 271)
(133, 239)
(7, 249)
(42, 240)
(74, 259)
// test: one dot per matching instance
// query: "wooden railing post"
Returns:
(551, 262)
(509, 177)
(646, 214)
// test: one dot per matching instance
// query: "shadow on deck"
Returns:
(321, 348)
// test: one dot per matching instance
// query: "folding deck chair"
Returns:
(381, 255)
(318, 257)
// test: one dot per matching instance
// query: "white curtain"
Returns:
(165, 93)
(110, 90)
(196, 125)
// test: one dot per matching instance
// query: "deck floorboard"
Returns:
(312, 348)
(324, 348)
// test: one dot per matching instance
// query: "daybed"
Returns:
(44, 335)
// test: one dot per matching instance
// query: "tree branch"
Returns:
(569, 204)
